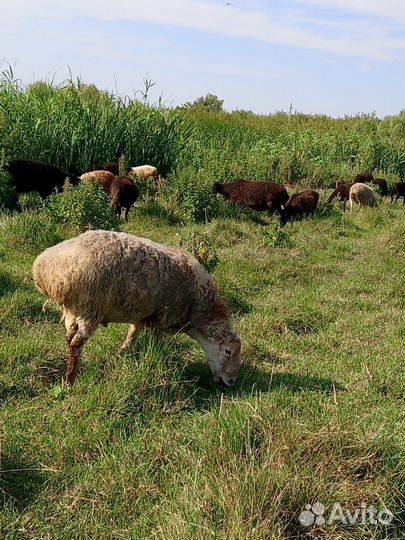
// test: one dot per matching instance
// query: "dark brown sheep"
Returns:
(339, 183)
(258, 196)
(382, 184)
(300, 204)
(124, 193)
(29, 175)
(363, 177)
(398, 191)
(110, 166)
(341, 192)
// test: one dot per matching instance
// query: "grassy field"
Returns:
(145, 446)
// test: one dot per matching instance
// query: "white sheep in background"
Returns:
(143, 172)
(362, 195)
(103, 276)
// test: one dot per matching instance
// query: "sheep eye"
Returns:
(228, 352)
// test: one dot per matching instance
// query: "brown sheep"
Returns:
(362, 195)
(300, 204)
(103, 277)
(363, 177)
(398, 191)
(124, 193)
(382, 184)
(339, 183)
(104, 178)
(258, 196)
(341, 192)
(110, 166)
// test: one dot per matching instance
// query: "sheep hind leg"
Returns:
(71, 326)
(132, 333)
(127, 209)
(86, 329)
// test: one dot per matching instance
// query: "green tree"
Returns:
(208, 103)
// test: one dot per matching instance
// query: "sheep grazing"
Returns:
(339, 183)
(124, 193)
(29, 175)
(300, 204)
(122, 189)
(103, 277)
(362, 195)
(258, 196)
(382, 185)
(110, 166)
(363, 177)
(104, 178)
(342, 193)
(398, 191)
(143, 172)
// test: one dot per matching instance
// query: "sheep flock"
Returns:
(102, 277)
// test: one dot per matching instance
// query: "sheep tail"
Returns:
(49, 302)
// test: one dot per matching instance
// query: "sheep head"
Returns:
(218, 188)
(223, 349)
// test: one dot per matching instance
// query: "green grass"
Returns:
(145, 446)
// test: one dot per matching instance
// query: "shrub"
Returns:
(81, 208)
(6, 191)
(201, 246)
(193, 194)
(276, 236)
(30, 201)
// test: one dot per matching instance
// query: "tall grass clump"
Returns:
(28, 232)
(75, 125)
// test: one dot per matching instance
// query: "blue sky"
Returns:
(325, 56)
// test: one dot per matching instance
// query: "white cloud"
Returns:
(389, 9)
(367, 39)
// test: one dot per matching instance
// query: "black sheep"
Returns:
(29, 175)
(398, 191)
(382, 184)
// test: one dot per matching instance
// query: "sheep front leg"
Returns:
(85, 330)
(132, 333)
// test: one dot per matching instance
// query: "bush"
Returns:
(30, 201)
(201, 246)
(275, 236)
(81, 208)
(193, 194)
(6, 191)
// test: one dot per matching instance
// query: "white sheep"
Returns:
(143, 172)
(362, 195)
(104, 276)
